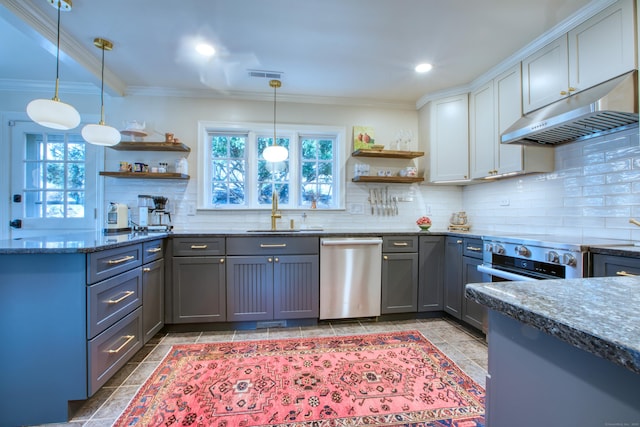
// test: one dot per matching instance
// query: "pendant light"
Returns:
(275, 153)
(101, 134)
(54, 113)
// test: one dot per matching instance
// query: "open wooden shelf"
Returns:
(388, 154)
(388, 179)
(145, 175)
(151, 146)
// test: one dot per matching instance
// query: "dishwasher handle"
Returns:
(351, 242)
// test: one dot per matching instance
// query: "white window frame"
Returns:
(253, 130)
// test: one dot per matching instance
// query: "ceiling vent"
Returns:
(264, 74)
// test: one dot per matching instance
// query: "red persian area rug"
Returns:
(389, 379)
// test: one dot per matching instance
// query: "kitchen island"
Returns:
(562, 352)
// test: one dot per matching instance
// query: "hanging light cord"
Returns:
(102, 91)
(275, 142)
(55, 97)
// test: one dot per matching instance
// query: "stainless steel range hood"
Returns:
(610, 106)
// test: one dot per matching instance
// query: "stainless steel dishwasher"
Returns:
(350, 277)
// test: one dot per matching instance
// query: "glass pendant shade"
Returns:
(53, 114)
(101, 134)
(275, 153)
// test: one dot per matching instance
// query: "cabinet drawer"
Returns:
(472, 248)
(113, 348)
(152, 251)
(400, 244)
(111, 299)
(272, 245)
(198, 246)
(105, 264)
(615, 266)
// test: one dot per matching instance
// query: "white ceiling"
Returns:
(358, 50)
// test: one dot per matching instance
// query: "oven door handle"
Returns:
(504, 274)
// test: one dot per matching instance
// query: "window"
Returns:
(236, 176)
(54, 172)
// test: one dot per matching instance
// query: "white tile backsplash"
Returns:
(593, 192)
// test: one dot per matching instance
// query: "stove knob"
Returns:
(570, 260)
(552, 256)
(488, 247)
(523, 251)
(498, 249)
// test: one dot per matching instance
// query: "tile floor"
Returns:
(465, 347)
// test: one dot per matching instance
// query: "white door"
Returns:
(53, 181)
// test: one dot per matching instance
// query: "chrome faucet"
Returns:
(274, 210)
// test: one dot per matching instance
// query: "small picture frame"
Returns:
(363, 137)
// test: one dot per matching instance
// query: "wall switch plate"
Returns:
(427, 209)
(191, 209)
(504, 202)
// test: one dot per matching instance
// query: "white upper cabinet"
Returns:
(493, 108)
(514, 158)
(450, 139)
(482, 134)
(545, 76)
(601, 48)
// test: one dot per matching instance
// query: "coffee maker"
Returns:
(117, 218)
(160, 216)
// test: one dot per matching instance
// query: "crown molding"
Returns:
(591, 9)
(35, 24)
(14, 85)
(261, 96)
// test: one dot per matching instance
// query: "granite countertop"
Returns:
(87, 242)
(598, 315)
(83, 242)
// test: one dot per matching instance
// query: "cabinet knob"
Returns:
(572, 89)
(459, 242)
(277, 259)
(221, 260)
(146, 270)
(563, 92)
(269, 259)
(385, 257)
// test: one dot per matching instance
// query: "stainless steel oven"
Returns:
(533, 258)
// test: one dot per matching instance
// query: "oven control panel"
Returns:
(545, 260)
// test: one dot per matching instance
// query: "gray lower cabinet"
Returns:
(198, 280)
(114, 311)
(462, 256)
(272, 278)
(152, 288)
(430, 273)
(399, 274)
(614, 265)
(472, 313)
(452, 286)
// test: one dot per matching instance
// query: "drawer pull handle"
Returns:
(121, 260)
(474, 249)
(122, 298)
(146, 270)
(624, 273)
(400, 244)
(117, 350)
(274, 245)
(154, 250)
(198, 246)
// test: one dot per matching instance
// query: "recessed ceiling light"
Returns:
(423, 68)
(205, 49)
